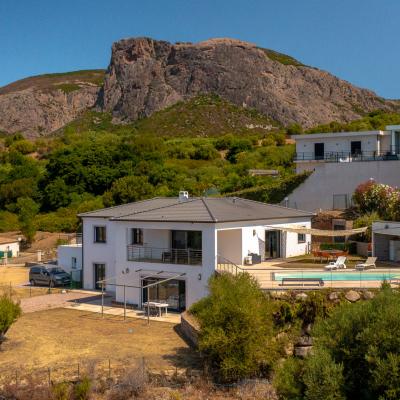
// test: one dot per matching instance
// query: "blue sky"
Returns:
(357, 40)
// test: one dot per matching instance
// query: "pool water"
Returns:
(339, 276)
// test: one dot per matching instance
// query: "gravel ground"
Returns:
(56, 300)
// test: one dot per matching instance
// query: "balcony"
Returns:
(342, 156)
(164, 255)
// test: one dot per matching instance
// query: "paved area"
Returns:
(108, 310)
(55, 300)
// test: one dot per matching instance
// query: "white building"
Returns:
(138, 243)
(386, 240)
(69, 257)
(9, 247)
(340, 162)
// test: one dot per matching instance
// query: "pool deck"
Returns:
(264, 274)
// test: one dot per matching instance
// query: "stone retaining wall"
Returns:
(190, 328)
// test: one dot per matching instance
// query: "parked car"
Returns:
(45, 275)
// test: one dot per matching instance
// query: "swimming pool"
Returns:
(339, 276)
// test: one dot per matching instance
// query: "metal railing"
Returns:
(225, 265)
(164, 255)
(347, 156)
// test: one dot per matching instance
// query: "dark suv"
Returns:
(48, 276)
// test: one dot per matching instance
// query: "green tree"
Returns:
(237, 330)
(128, 189)
(9, 312)
(27, 210)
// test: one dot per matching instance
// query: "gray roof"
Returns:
(197, 209)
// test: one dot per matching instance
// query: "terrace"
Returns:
(348, 156)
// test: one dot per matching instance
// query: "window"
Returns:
(186, 240)
(73, 263)
(136, 236)
(99, 234)
(301, 238)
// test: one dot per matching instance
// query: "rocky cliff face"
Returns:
(40, 105)
(147, 75)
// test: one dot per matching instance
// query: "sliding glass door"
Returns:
(171, 292)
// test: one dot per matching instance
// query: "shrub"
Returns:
(323, 378)
(236, 327)
(61, 391)
(366, 220)
(364, 339)
(82, 389)
(288, 379)
(9, 312)
(334, 246)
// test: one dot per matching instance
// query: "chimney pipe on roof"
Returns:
(183, 195)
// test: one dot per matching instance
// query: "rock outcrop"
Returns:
(147, 75)
(40, 105)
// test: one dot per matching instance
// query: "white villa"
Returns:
(185, 239)
(340, 162)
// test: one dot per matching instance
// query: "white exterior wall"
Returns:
(341, 141)
(65, 254)
(99, 253)
(13, 247)
(235, 243)
(253, 239)
(196, 277)
(229, 245)
(317, 191)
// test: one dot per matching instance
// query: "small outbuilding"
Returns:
(386, 240)
(9, 247)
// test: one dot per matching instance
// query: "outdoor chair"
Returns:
(368, 263)
(338, 264)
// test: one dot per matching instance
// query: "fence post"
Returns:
(124, 304)
(49, 371)
(102, 299)
(109, 369)
(78, 371)
(16, 378)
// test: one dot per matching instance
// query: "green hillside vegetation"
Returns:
(201, 116)
(372, 121)
(93, 163)
(282, 58)
(64, 81)
(205, 116)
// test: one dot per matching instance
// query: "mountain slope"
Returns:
(147, 75)
(42, 104)
(200, 116)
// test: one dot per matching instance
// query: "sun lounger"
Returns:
(369, 263)
(338, 264)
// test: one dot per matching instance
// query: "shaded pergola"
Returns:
(152, 274)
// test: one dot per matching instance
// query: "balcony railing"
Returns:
(164, 255)
(342, 156)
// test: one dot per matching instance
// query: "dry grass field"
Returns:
(65, 337)
(15, 275)
(11, 279)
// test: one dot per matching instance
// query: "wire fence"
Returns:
(18, 292)
(106, 369)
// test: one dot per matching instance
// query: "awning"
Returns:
(389, 231)
(321, 232)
